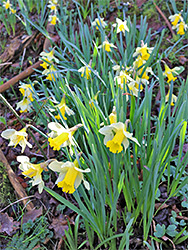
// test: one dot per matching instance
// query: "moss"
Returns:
(6, 189)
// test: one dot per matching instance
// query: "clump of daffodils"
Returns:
(8, 6)
(52, 5)
(49, 61)
(25, 104)
(70, 175)
(116, 135)
(98, 22)
(178, 23)
(33, 171)
(17, 137)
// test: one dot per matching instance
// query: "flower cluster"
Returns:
(25, 104)
(8, 6)
(48, 64)
(178, 23)
(52, 5)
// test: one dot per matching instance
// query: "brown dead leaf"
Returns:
(157, 205)
(182, 59)
(32, 215)
(59, 225)
(7, 224)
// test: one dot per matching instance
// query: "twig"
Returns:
(166, 20)
(15, 183)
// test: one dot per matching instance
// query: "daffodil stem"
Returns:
(23, 123)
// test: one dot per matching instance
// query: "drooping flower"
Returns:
(175, 19)
(173, 99)
(33, 171)
(26, 90)
(107, 46)
(70, 175)
(169, 73)
(49, 56)
(61, 137)
(16, 137)
(121, 26)
(181, 27)
(113, 116)
(85, 72)
(63, 108)
(50, 73)
(99, 21)
(12, 11)
(53, 19)
(53, 5)
(143, 51)
(115, 135)
(24, 105)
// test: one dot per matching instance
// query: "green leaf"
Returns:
(171, 230)
(2, 120)
(160, 231)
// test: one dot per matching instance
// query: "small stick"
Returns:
(15, 183)
(166, 20)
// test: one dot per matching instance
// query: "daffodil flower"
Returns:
(94, 99)
(96, 23)
(24, 105)
(115, 135)
(122, 78)
(70, 175)
(17, 137)
(50, 73)
(121, 26)
(12, 11)
(61, 137)
(173, 99)
(85, 72)
(7, 5)
(107, 46)
(143, 51)
(174, 19)
(181, 27)
(63, 108)
(113, 116)
(169, 73)
(53, 19)
(49, 56)
(33, 171)
(53, 5)
(26, 90)
(45, 63)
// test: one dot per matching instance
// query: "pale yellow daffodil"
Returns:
(181, 27)
(143, 51)
(98, 22)
(63, 108)
(26, 90)
(7, 5)
(121, 26)
(61, 137)
(24, 105)
(107, 46)
(70, 175)
(49, 56)
(174, 19)
(33, 171)
(173, 99)
(17, 137)
(85, 72)
(169, 73)
(115, 135)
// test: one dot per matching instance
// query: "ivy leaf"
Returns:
(171, 230)
(160, 231)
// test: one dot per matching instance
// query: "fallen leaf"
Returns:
(182, 59)
(59, 225)
(32, 215)
(7, 224)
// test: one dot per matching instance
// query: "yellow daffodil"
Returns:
(85, 72)
(113, 116)
(12, 11)
(169, 73)
(7, 5)
(33, 171)
(61, 137)
(49, 56)
(174, 19)
(50, 73)
(16, 137)
(121, 26)
(99, 21)
(115, 135)
(143, 51)
(53, 19)
(181, 27)
(45, 63)
(173, 99)
(26, 90)
(24, 105)
(53, 5)
(63, 108)
(122, 79)
(107, 46)
(70, 175)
